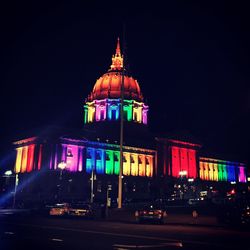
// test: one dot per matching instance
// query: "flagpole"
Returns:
(121, 126)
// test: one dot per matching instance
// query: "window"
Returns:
(116, 157)
(132, 159)
(140, 160)
(98, 155)
(69, 152)
(125, 114)
(113, 114)
(89, 156)
(107, 157)
(102, 117)
(135, 117)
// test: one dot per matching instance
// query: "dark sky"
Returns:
(191, 60)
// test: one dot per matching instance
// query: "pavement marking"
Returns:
(55, 239)
(177, 244)
(9, 233)
(98, 232)
(120, 234)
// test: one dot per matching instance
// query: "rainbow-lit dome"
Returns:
(109, 85)
(104, 101)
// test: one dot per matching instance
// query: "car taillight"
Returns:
(142, 212)
(158, 212)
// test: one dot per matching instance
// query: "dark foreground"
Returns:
(37, 232)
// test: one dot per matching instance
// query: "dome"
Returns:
(109, 85)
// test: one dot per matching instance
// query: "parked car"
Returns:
(235, 214)
(59, 209)
(83, 210)
(151, 213)
(245, 215)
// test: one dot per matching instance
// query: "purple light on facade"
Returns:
(145, 114)
(242, 174)
(64, 148)
(144, 118)
(51, 161)
(72, 158)
(56, 159)
(100, 110)
(80, 159)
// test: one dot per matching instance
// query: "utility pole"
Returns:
(16, 184)
(121, 126)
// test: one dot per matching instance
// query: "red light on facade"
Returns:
(183, 160)
(39, 158)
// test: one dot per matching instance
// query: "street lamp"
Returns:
(8, 174)
(183, 173)
(93, 177)
(62, 165)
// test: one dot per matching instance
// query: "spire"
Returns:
(117, 58)
(118, 50)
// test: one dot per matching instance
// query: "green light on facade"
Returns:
(109, 162)
(117, 162)
(127, 108)
(224, 171)
(220, 173)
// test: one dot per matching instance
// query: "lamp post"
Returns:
(62, 165)
(93, 177)
(9, 174)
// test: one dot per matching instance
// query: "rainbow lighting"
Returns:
(103, 103)
(82, 156)
(26, 150)
(211, 169)
(109, 110)
(104, 158)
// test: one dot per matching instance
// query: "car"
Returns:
(235, 214)
(59, 209)
(245, 215)
(82, 210)
(151, 212)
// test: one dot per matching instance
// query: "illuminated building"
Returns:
(95, 149)
(219, 170)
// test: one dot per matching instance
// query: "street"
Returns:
(37, 232)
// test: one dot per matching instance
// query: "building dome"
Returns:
(109, 85)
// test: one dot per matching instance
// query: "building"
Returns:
(73, 164)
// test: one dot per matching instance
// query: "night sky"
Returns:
(191, 60)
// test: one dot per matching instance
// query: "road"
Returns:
(34, 232)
